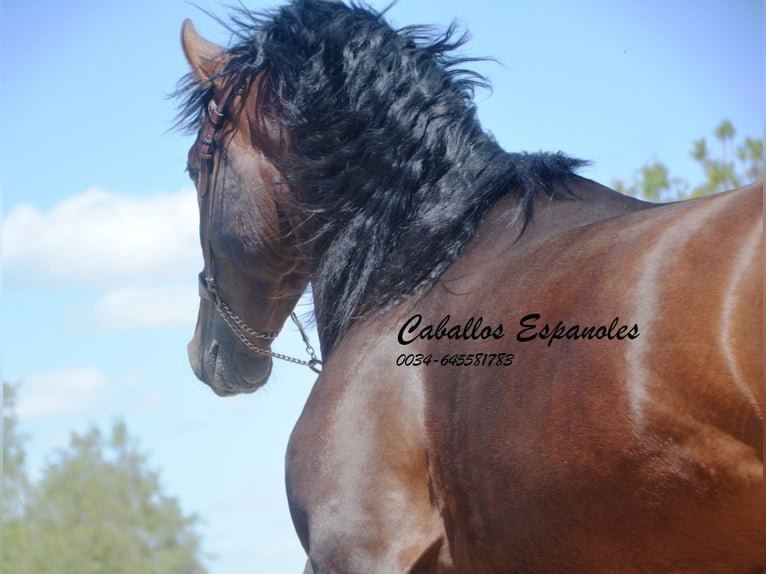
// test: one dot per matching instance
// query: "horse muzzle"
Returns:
(225, 375)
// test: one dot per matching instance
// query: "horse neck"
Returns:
(400, 240)
(391, 178)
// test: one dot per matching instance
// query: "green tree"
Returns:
(15, 484)
(750, 154)
(99, 509)
(654, 183)
(724, 133)
(14, 476)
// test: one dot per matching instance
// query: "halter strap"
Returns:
(215, 116)
(208, 288)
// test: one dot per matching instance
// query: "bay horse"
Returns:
(524, 371)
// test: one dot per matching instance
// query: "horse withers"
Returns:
(524, 371)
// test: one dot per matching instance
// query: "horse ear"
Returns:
(205, 58)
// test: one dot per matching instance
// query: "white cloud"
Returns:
(82, 391)
(146, 307)
(61, 392)
(139, 253)
(99, 238)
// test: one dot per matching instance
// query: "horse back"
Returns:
(597, 452)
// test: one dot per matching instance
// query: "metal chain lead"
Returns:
(242, 326)
(242, 330)
(309, 349)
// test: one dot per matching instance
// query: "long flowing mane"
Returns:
(390, 169)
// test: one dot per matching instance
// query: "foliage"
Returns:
(14, 477)
(98, 509)
(727, 171)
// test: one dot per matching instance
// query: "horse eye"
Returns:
(193, 173)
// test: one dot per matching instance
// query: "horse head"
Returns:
(253, 274)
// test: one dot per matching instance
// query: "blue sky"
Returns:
(100, 242)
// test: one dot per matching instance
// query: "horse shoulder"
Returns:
(357, 470)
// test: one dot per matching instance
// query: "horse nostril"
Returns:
(213, 351)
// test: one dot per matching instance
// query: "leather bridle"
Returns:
(208, 287)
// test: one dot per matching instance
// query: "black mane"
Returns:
(390, 168)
